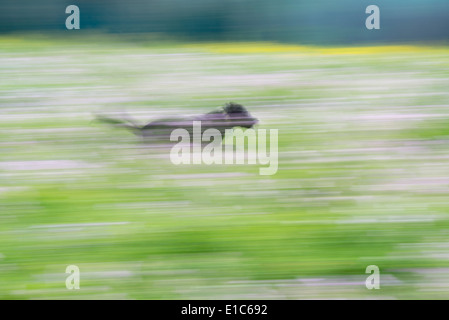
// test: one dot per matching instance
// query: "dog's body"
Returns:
(230, 116)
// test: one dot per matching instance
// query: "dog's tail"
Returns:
(123, 122)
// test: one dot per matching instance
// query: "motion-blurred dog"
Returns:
(227, 117)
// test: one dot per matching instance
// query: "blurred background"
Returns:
(363, 174)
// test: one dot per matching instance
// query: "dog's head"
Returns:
(237, 113)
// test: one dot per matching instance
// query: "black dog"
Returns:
(230, 116)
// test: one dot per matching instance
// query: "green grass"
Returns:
(363, 172)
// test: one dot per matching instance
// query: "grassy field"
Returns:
(363, 173)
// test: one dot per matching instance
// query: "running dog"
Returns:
(227, 117)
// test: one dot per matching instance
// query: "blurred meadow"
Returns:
(363, 174)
